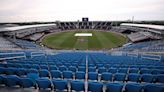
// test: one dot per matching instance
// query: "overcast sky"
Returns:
(73, 10)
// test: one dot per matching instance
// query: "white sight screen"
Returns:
(83, 34)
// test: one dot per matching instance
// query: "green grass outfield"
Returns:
(99, 40)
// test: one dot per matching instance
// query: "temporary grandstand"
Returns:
(104, 25)
(20, 37)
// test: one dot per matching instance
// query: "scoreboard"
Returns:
(85, 19)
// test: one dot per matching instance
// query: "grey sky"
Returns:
(72, 10)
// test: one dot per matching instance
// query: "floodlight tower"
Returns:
(132, 19)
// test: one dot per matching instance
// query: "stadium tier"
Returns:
(154, 46)
(50, 57)
(80, 71)
(84, 25)
(134, 33)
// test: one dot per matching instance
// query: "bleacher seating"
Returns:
(139, 36)
(21, 33)
(146, 46)
(26, 44)
(35, 37)
(61, 72)
(6, 44)
(84, 25)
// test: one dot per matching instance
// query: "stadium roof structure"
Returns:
(7, 29)
(158, 27)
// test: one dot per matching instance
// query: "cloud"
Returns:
(67, 10)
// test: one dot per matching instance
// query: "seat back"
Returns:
(60, 84)
(133, 87)
(95, 86)
(114, 87)
(44, 83)
(80, 75)
(77, 86)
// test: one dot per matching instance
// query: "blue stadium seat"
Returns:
(106, 76)
(21, 72)
(55, 74)
(44, 83)
(160, 78)
(62, 68)
(2, 65)
(72, 68)
(27, 66)
(147, 78)
(27, 83)
(133, 87)
(2, 79)
(18, 66)
(95, 86)
(114, 87)
(133, 77)
(81, 65)
(60, 85)
(44, 67)
(77, 85)
(99, 65)
(33, 76)
(32, 71)
(113, 70)
(67, 74)
(2, 70)
(133, 70)
(119, 77)
(10, 65)
(53, 68)
(44, 73)
(102, 70)
(92, 76)
(123, 70)
(153, 88)
(91, 69)
(91, 65)
(67, 64)
(82, 68)
(35, 66)
(80, 75)
(11, 80)
(157, 71)
(145, 71)
(10, 71)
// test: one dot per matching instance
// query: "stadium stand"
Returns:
(25, 44)
(22, 31)
(4, 44)
(35, 72)
(139, 36)
(17, 37)
(35, 36)
(119, 29)
(87, 71)
(155, 46)
(84, 25)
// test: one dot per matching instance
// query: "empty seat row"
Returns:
(133, 77)
(100, 70)
(44, 73)
(105, 76)
(57, 84)
(37, 64)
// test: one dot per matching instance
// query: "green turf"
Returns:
(99, 40)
